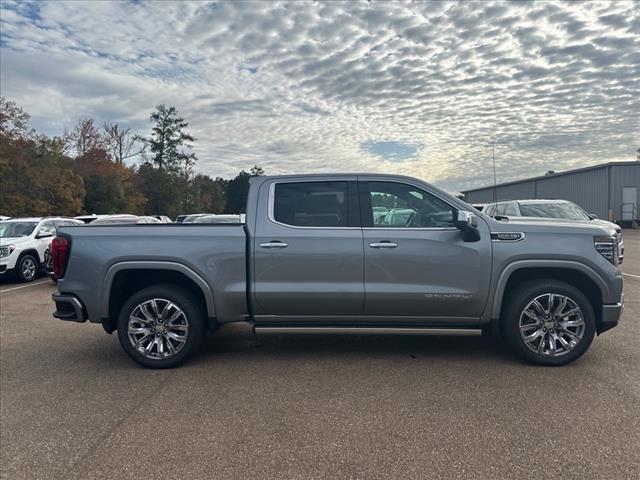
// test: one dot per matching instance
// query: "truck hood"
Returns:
(557, 225)
(595, 221)
(13, 240)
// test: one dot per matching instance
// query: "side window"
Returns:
(501, 208)
(311, 204)
(510, 210)
(488, 210)
(398, 205)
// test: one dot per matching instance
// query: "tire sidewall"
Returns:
(19, 268)
(526, 293)
(192, 310)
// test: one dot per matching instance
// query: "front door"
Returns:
(308, 254)
(416, 262)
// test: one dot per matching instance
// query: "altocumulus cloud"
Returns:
(329, 86)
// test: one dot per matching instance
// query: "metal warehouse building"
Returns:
(610, 190)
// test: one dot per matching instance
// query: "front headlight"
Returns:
(607, 247)
(7, 250)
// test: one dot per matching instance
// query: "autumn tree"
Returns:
(161, 188)
(13, 120)
(119, 142)
(84, 137)
(37, 178)
(206, 195)
(110, 186)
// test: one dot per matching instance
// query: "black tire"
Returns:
(193, 313)
(518, 301)
(27, 268)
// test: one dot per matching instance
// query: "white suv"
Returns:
(550, 210)
(25, 245)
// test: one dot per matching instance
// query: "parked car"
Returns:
(192, 217)
(479, 206)
(310, 260)
(123, 220)
(25, 245)
(163, 218)
(180, 218)
(3, 218)
(88, 218)
(219, 219)
(551, 210)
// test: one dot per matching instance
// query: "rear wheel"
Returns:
(548, 322)
(161, 326)
(27, 268)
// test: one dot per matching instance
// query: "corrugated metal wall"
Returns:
(596, 190)
(588, 189)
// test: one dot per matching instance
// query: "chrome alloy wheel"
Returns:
(158, 329)
(552, 324)
(29, 268)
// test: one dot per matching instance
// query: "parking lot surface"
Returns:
(74, 406)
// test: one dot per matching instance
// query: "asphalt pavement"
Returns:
(74, 406)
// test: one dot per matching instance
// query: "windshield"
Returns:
(16, 229)
(567, 210)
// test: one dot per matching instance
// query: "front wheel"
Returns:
(549, 322)
(161, 326)
(27, 268)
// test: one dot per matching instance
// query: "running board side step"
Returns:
(369, 330)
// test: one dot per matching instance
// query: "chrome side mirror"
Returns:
(467, 223)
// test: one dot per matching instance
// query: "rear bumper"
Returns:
(69, 308)
(611, 315)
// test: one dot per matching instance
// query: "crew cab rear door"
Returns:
(417, 265)
(308, 251)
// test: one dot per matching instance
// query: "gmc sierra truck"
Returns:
(358, 254)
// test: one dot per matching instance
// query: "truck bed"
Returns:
(200, 251)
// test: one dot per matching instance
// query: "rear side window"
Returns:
(311, 204)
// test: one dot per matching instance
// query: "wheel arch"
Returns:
(30, 251)
(125, 278)
(573, 273)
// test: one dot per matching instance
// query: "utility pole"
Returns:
(495, 182)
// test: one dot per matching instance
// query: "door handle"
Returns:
(274, 244)
(383, 244)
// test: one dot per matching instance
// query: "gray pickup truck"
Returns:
(359, 254)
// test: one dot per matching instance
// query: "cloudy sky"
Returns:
(400, 87)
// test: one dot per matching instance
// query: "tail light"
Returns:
(59, 255)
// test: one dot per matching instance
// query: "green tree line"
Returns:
(84, 171)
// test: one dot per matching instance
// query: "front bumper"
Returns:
(611, 315)
(69, 308)
(7, 264)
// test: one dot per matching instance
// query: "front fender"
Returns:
(513, 267)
